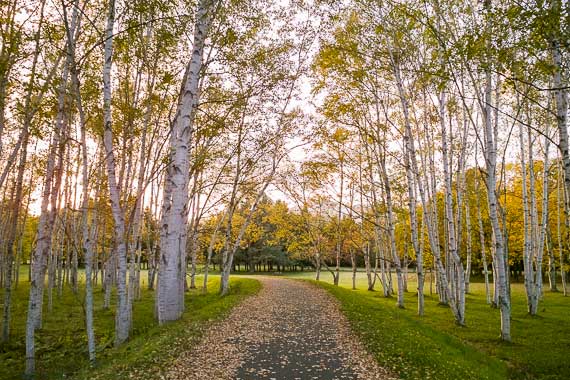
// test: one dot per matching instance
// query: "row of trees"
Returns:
(435, 102)
(115, 150)
(419, 133)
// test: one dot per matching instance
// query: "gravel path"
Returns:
(289, 330)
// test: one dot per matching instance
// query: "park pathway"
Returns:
(290, 330)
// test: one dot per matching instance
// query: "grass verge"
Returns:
(434, 347)
(61, 343)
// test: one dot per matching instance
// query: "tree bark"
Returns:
(171, 272)
(122, 319)
(391, 234)
(561, 98)
(490, 141)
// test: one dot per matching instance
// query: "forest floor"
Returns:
(289, 330)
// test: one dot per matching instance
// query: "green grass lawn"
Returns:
(62, 343)
(433, 347)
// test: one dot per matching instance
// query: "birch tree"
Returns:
(52, 183)
(173, 236)
(490, 138)
(122, 321)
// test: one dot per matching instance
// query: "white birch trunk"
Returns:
(87, 236)
(173, 237)
(561, 97)
(339, 220)
(231, 249)
(527, 233)
(490, 140)
(483, 249)
(469, 246)
(458, 294)
(122, 319)
(537, 246)
(210, 251)
(560, 199)
(391, 234)
(45, 229)
(88, 249)
(411, 166)
(542, 238)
